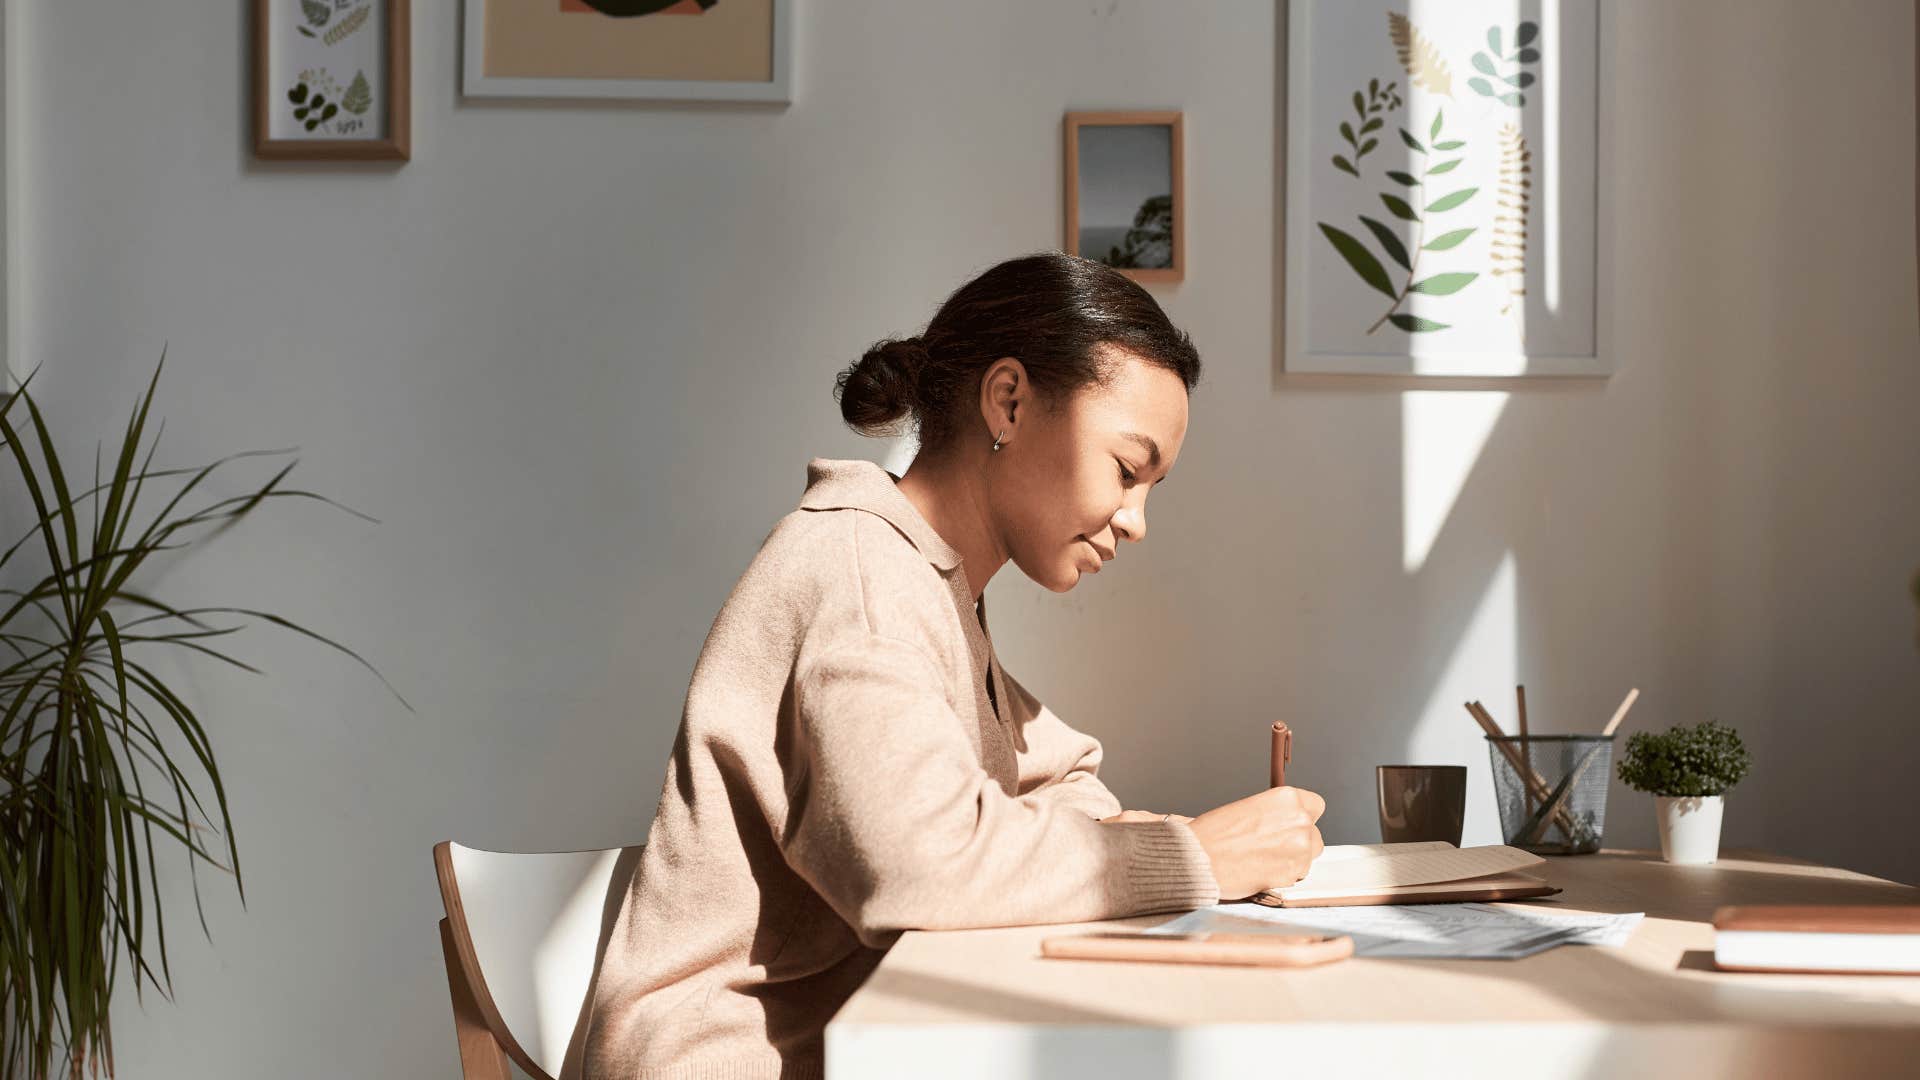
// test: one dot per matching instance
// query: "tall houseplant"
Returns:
(99, 757)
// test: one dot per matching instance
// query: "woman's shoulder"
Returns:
(845, 548)
(824, 578)
(852, 560)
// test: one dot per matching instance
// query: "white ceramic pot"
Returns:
(1689, 828)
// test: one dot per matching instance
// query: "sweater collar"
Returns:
(862, 485)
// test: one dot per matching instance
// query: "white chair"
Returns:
(522, 938)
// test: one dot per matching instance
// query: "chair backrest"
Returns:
(526, 928)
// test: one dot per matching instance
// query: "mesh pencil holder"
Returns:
(1579, 764)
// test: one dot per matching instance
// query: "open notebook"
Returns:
(1431, 872)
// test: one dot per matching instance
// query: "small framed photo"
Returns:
(633, 50)
(1126, 203)
(331, 80)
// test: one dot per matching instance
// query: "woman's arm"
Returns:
(1058, 764)
(892, 820)
(1061, 765)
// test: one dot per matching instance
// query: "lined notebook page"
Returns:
(1377, 866)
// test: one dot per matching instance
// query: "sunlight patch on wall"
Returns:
(1547, 240)
(1441, 436)
(1483, 666)
(900, 453)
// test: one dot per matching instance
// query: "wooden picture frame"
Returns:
(1122, 172)
(554, 65)
(310, 32)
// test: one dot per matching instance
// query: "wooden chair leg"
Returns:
(481, 1057)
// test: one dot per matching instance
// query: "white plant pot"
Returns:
(1689, 828)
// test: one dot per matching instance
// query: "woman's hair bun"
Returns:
(877, 391)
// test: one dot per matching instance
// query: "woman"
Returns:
(852, 761)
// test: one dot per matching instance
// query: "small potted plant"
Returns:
(1686, 770)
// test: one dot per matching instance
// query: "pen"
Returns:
(1282, 752)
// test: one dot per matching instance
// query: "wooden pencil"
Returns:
(1526, 748)
(1620, 713)
(1529, 779)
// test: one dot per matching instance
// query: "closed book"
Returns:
(1821, 938)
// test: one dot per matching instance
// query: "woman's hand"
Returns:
(1147, 815)
(1261, 842)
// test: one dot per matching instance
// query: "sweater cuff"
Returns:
(1167, 869)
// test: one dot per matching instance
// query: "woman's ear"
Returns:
(1004, 390)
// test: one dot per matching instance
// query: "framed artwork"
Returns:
(331, 80)
(1126, 203)
(638, 50)
(1442, 196)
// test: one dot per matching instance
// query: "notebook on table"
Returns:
(1818, 938)
(1433, 872)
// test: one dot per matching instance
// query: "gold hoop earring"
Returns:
(996, 441)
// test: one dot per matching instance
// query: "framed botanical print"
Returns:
(1442, 189)
(1126, 199)
(637, 50)
(331, 80)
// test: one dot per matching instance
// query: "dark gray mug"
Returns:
(1421, 802)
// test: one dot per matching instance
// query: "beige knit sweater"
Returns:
(841, 774)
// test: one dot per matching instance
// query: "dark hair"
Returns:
(1051, 311)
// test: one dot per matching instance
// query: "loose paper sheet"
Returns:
(1431, 931)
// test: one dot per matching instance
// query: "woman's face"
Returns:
(1071, 482)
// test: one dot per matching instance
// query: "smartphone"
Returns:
(1252, 950)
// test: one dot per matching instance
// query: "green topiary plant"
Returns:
(99, 756)
(1706, 759)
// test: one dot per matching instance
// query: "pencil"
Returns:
(1621, 713)
(1528, 778)
(1526, 748)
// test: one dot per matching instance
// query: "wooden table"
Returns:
(983, 1003)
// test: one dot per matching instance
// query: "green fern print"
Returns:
(359, 95)
(1378, 100)
(317, 14)
(1402, 205)
(1493, 63)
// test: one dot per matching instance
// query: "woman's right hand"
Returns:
(1264, 841)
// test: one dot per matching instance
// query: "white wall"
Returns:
(575, 359)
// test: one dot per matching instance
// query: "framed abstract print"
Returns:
(637, 50)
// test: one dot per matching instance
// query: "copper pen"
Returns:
(1282, 752)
